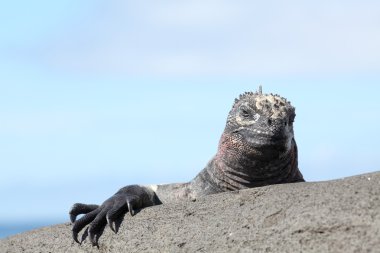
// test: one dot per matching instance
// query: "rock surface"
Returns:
(335, 216)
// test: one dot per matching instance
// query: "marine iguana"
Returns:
(257, 148)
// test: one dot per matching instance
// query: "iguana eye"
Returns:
(245, 113)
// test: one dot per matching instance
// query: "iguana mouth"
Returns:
(265, 142)
(259, 137)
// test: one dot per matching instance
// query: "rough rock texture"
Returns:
(334, 216)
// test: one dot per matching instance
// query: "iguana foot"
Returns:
(126, 199)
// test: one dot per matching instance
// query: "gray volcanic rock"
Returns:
(335, 216)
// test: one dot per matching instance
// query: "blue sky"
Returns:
(96, 95)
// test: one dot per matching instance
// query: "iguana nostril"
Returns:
(269, 122)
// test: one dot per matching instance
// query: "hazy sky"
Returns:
(96, 95)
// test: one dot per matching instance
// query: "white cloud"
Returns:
(192, 13)
(222, 38)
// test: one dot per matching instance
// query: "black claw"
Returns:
(111, 224)
(112, 228)
(93, 239)
(75, 237)
(130, 204)
(73, 218)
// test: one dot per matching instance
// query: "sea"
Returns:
(13, 228)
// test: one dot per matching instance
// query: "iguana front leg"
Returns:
(128, 198)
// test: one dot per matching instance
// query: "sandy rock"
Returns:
(335, 216)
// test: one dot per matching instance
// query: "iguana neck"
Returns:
(238, 166)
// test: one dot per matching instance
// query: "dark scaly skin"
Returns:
(257, 148)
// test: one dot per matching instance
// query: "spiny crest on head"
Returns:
(249, 94)
(263, 100)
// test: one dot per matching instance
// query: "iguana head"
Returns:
(260, 124)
